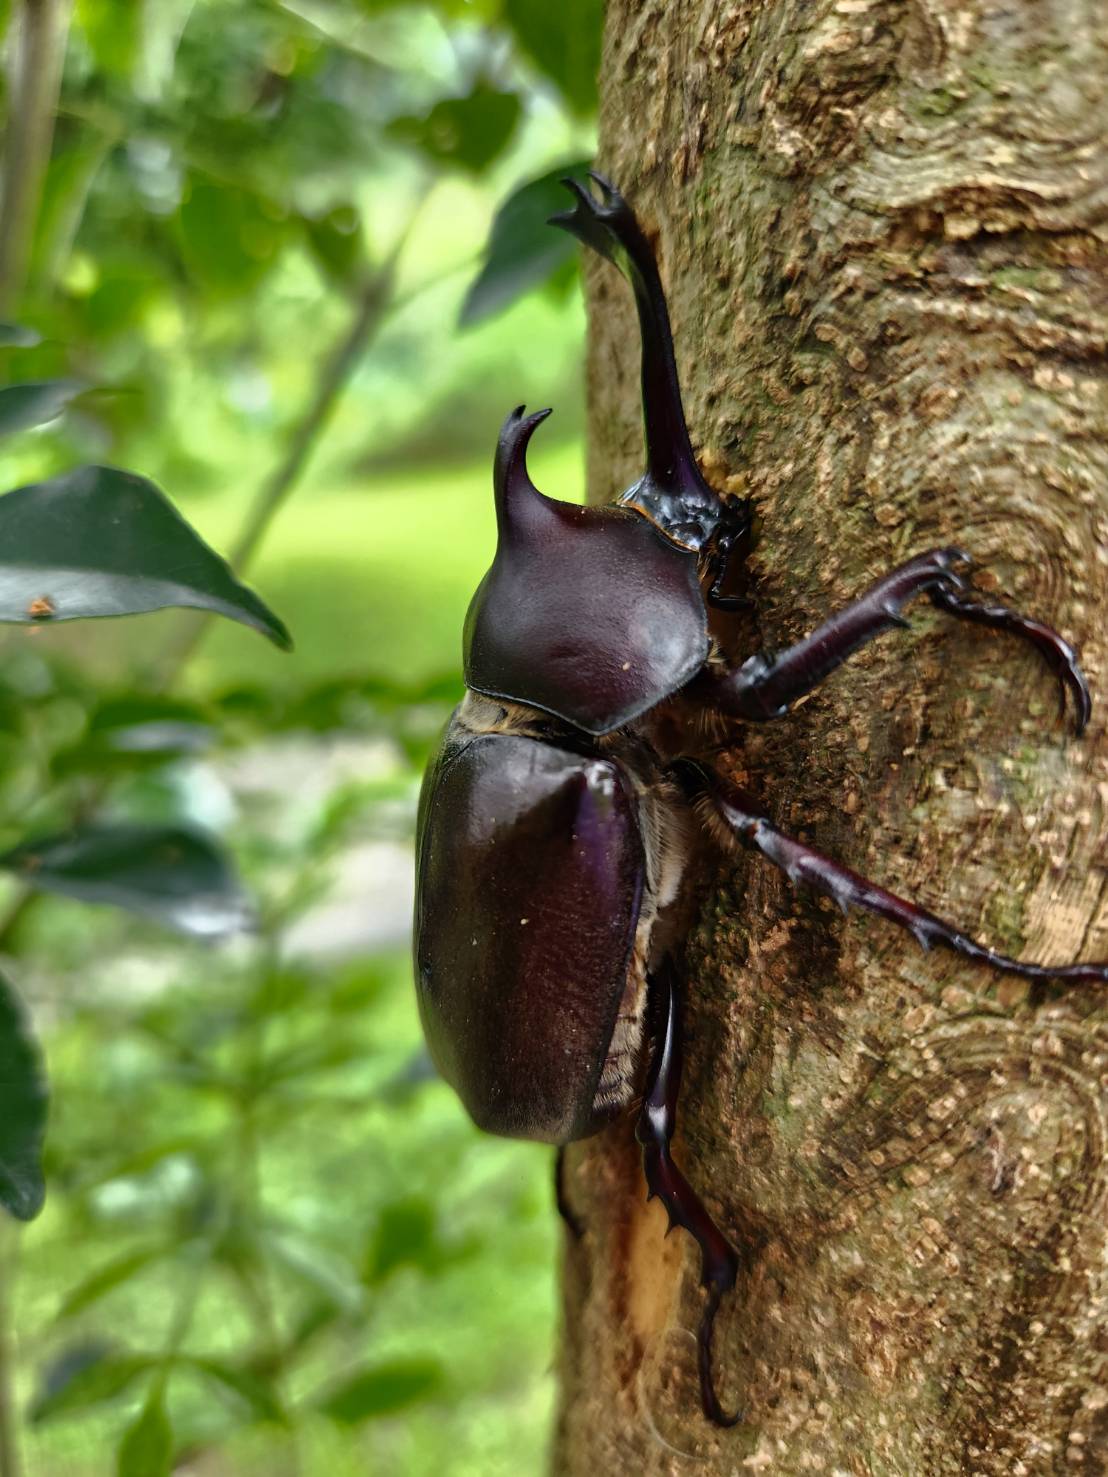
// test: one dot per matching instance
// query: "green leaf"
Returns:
(523, 251)
(381, 1390)
(113, 32)
(247, 1386)
(114, 1274)
(97, 542)
(24, 406)
(467, 132)
(230, 237)
(563, 41)
(15, 336)
(337, 244)
(23, 1099)
(147, 1446)
(83, 1375)
(406, 1235)
(172, 874)
(134, 731)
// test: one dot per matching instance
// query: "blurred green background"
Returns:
(272, 1241)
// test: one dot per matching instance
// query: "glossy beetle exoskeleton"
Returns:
(558, 818)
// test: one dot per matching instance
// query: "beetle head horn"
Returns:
(510, 477)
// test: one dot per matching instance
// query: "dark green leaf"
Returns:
(147, 1446)
(523, 251)
(563, 41)
(468, 132)
(405, 1235)
(83, 1375)
(230, 238)
(129, 732)
(97, 541)
(177, 876)
(15, 336)
(248, 1387)
(382, 1389)
(337, 244)
(23, 1101)
(91, 1289)
(23, 406)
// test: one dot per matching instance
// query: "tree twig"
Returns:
(40, 29)
(372, 307)
(10, 1464)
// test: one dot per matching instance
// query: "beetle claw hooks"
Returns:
(709, 1400)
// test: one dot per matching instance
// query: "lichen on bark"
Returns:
(883, 230)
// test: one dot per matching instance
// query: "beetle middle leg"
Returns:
(744, 818)
(657, 1120)
(731, 546)
(767, 684)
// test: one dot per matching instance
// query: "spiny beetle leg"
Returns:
(657, 1120)
(1058, 653)
(767, 684)
(803, 864)
(561, 1199)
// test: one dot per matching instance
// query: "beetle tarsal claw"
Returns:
(607, 189)
(708, 1398)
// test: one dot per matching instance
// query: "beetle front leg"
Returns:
(743, 817)
(767, 684)
(657, 1121)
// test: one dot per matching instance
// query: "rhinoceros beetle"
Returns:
(559, 815)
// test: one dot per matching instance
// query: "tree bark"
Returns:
(882, 227)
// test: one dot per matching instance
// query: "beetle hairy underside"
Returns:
(572, 786)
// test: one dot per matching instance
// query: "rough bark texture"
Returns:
(882, 229)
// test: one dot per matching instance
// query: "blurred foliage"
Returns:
(272, 1242)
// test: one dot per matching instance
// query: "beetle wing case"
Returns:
(586, 613)
(530, 868)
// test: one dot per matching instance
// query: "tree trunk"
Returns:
(882, 228)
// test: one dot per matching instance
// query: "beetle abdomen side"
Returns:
(530, 876)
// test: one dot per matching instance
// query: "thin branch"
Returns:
(40, 30)
(10, 1464)
(374, 303)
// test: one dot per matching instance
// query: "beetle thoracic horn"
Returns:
(509, 473)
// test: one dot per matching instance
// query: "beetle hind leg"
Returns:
(657, 1120)
(743, 818)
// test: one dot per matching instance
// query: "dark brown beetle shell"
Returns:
(530, 868)
(587, 613)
